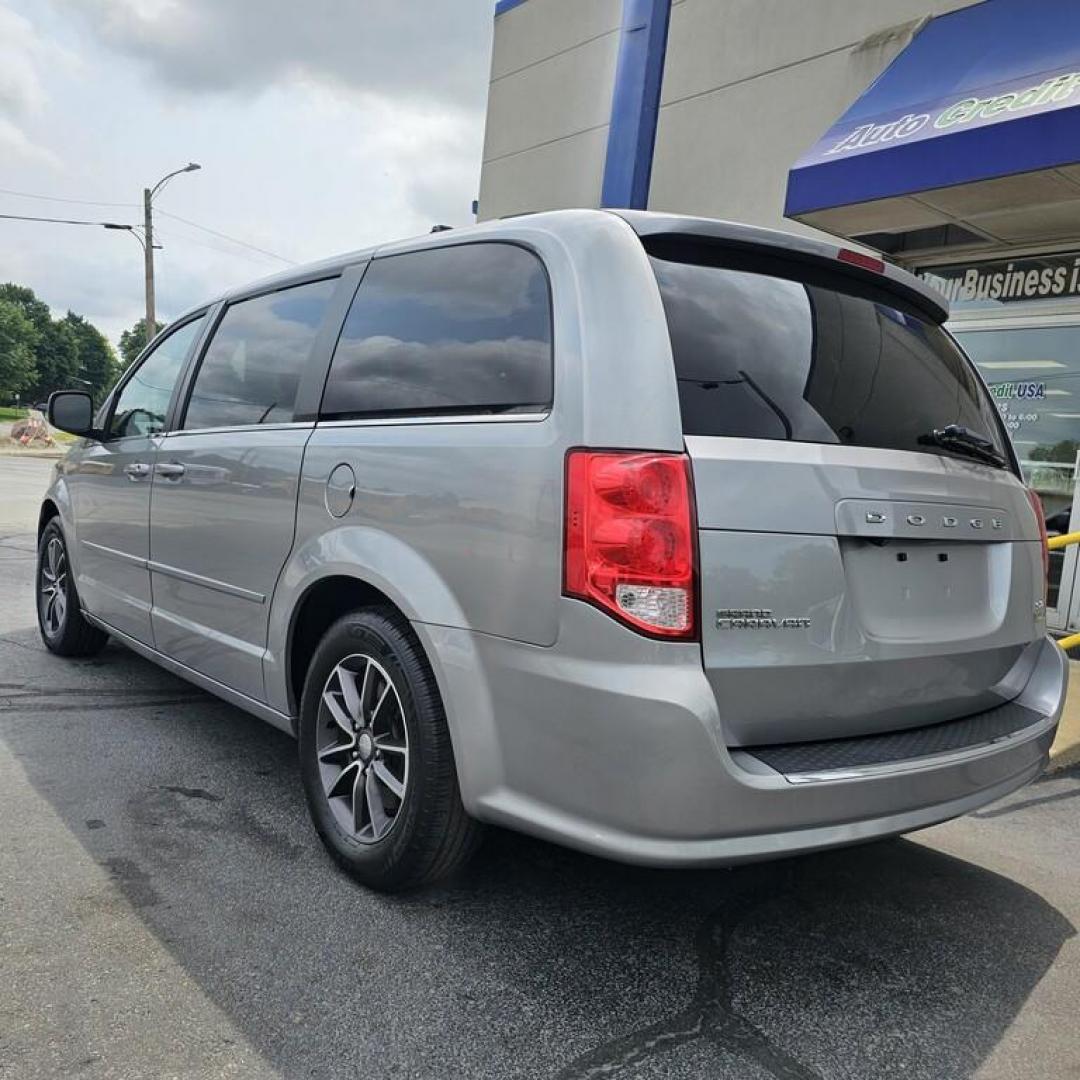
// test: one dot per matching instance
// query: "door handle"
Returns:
(170, 470)
(137, 470)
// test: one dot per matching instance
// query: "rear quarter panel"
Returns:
(458, 523)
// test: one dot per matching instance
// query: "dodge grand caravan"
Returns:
(677, 541)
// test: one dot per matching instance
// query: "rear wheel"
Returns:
(376, 759)
(60, 620)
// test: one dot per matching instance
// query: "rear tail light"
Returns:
(630, 538)
(1040, 517)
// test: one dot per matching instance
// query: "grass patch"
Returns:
(8, 412)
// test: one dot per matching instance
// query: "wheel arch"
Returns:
(49, 510)
(321, 604)
(477, 755)
(56, 505)
(336, 571)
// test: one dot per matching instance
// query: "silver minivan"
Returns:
(676, 541)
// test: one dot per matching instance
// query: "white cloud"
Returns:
(409, 49)
(321, 127)
(15, 144)
(24, 57)
(20, 87)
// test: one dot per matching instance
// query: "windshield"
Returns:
(766, 357)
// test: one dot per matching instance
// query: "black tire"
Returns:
(60, 619)
(430, 835)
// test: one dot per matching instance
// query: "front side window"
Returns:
(449, 330)
(144, 398)
(251, 369)
(767, 357)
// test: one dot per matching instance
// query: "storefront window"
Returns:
(1034, 376)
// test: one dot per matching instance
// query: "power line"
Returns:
(171, 237)
(225, 236)
(56, 198)
(211, 245)
(164, 213)
(66, 221)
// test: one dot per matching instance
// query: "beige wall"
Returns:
(749, 85)
(552, 73)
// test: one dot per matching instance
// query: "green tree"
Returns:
(1060, 451)
(37, 311)
(66, 353)
(133, 341)
(56, 352)
(57, 357)
(97, 360)
(17, 339)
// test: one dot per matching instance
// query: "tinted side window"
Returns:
(144, 398)
(252, 366)
(462, 329)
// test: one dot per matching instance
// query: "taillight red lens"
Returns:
(630, 538)
(1040, 517)
(857, 258)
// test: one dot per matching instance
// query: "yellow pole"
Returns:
(1054, 544)
(1064, 540)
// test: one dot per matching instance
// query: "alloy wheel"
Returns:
(363, 748)
(52, 587)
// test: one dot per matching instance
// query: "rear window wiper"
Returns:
(962, 440)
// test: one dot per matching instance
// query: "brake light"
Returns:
(629, 541)
(1040, 517)
(857, 258)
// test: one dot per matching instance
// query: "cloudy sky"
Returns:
(321, 126)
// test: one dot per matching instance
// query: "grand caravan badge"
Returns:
(757, 619)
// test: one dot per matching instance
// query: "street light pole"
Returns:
(132, 229)
(148, 263)
(148, 232)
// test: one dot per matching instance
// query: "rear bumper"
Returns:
(613, 744)
(731, 850)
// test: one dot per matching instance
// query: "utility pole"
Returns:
(148, 236)
(148, 250)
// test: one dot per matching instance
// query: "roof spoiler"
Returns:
(771, 246)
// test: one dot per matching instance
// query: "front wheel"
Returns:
(375, 756)
(60, 620)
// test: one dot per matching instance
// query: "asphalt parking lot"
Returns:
(166, 911)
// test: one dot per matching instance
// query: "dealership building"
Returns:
(942, 133)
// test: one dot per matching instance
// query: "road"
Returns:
(168, 912)
(22, 481)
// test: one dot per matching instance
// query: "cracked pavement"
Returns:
(166, 911)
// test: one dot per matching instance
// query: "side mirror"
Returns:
(72, 411)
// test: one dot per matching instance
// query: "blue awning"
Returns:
(988, 91)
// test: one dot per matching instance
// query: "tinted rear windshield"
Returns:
(763, 356)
